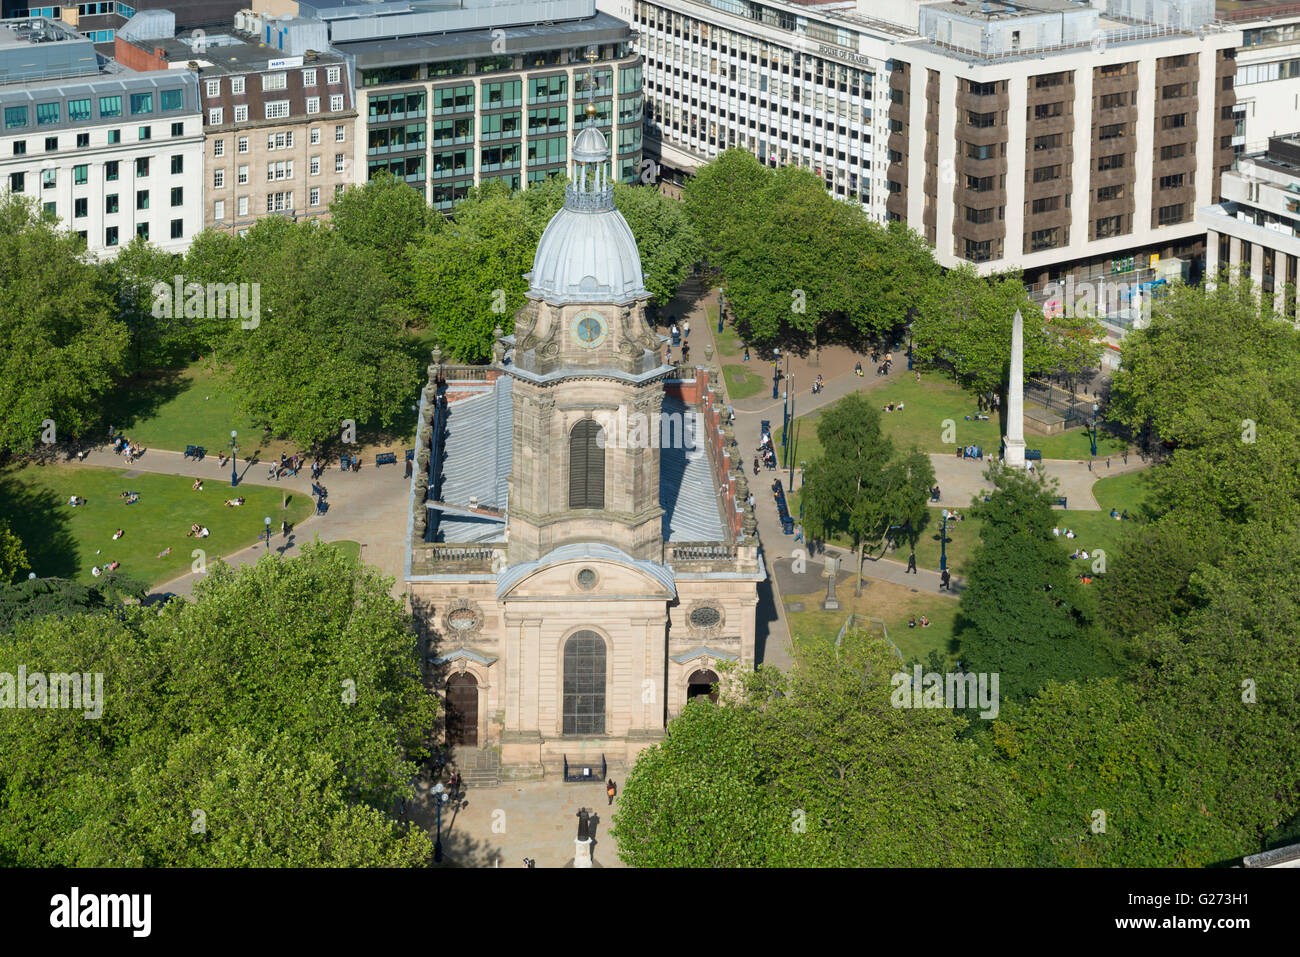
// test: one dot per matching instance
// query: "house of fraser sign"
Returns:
(841, 54)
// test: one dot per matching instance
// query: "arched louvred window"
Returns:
(586, 466)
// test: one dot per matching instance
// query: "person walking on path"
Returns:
(686, 329)
(945, 579)
(911, 564)
(798, 533)
(611, 789)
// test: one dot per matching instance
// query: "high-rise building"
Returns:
(100, 21)
(280, 130)
(454, 96)
(1050, 136)
(111, 153)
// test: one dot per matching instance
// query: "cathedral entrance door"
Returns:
(700, 685)
(462, 710)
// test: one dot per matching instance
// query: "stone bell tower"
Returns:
(589, 379)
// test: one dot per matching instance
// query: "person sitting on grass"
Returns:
(911, 622)
(235, 502)
(95, 571)
(194, 530)
(197, 486)
(112, 566)
(118, 534)
(925, 622)
(165, 552)
(76, 500)
(203, 532)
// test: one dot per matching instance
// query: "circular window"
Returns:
(705, 617)
(586, 578)
(462, 619)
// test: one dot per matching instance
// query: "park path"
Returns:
(369, 507)
(960, 481)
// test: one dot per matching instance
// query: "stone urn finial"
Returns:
(708, 355)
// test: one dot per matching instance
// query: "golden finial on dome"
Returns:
(591, 109)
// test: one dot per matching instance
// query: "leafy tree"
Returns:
(284, 705)
(13, 557)
(388, 216)
(965, 326)
(326, 347)
(130, 279)
(60, 341)
(665, 239)
(717, 198)
(1023, 613)
(859, 486)
(817, 768)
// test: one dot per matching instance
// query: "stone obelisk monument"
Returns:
(1014, 443)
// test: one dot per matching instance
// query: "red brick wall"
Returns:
(131, 56)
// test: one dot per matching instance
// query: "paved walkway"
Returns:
(369, 507)
(499, 827)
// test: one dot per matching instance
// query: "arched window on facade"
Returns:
(586, 466)
(584, 684)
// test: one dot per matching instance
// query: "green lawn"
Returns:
(741, 383)
(1094, 529)
(66, 542)
(173, 408)
(894, 604)
(930, 406)
(727, 341)
(348, 549)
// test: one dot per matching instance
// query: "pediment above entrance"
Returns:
(586, 571)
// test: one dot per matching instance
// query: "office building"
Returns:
(114, 154)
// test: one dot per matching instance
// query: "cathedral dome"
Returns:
(587, 252)
(587, 256)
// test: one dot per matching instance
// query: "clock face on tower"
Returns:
(589, 329)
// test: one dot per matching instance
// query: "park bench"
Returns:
(1061, 501)
(195, 452)
(348, 462)
(973, 452)
(782, 510)
(322, 506)
(410, 455)
(1033, 455)
(385, 458)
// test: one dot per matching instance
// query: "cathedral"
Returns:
(577, 578)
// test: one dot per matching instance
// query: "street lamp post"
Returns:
(234, 452)
(439, 799)
(267, 520)
(1093, 434)
(943, 543)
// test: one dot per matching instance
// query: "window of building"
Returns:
(80, 174)
(178, 196)
(20, 147)
(141, 103)
(110, 170)
(241, 175)
(333, 74)
(1044, 111)
(110, 106)
(338, 162)
(242, 204)
(1113, 101)
(1107, 193)
(142, 199)
(178, 229)
(142, 230)
(315, 196)
(277, 109)
(1050, 141)
(1112, 131)
(219, 209)
(212, 87)
(1172, 181)
(1168, 215)
(49, 178)
(314, 138)
(275, 81)
(978, 184)
(1110, 226)
(218, 179)
(1044, 239)
(171, 100)
(78, 110)
(980, 120)
(1115, 161)
(979, 215)
(241, 113)
(47, 113)
(1175, 121)
(80, 208)
(281, 169)
(17, 182)
(110, 236)
(336, 102)
(313, 105)
(339, 133)
(216, 116)
(279, 202)
(308, 77)
(1045, 205)
(15, 117)
(178, 164)
(279, 141)
(145, 132)
(1173, 151)
(584, 684)
(236, 85)
(1043, 174)
(142, 166)
(242, 144)
(218, 147)
(178, 129)
(110, 204)
(314, 166)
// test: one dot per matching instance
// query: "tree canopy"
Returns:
(273, 721)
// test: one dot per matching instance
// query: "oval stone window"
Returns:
(462, 619)
(586, 578)
(705, 617)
